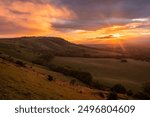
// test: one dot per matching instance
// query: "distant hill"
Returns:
(31, 47)
(138, 51)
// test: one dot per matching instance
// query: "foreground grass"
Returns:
(32, 83)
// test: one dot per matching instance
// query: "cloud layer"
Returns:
(74, 19)
(27, 17)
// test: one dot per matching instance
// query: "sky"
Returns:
(79, 21)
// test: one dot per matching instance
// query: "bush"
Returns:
(43, 59)
(46, 57)
(129, 93)
(124, 61)
(144, 94)
(84, 77)
(101, 94)
(146, 88)
(118, 88)
(112, 96)
(20, 63)
(50, 78)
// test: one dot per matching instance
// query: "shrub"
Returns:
(46, 57)
(84, 77)
(101, 94)
(129, 93)
(20, 63)
(118, 88)
(124, 61)
(112, 96)
(43, 59)
(50, 78)
(144, 94)
(146, 88)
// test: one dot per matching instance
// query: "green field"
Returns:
(110, 71)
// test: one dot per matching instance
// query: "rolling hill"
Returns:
(28, 48)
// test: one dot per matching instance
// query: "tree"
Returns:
(43, 59)
(46, 57)
(50, 78)
(144, 93)
(118, 88)
(20, 63)
(124, 61)
(112, 96)
(129, 93)
(146, 88)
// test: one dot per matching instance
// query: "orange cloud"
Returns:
(33, 16)
(112, 33)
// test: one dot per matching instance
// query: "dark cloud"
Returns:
(89, 24)
(97, 13)
(19, 12)
(105, 37)
(93, 9)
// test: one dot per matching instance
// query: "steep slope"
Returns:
(32, 83)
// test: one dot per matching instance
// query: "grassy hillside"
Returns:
(29, 48)
(32, 83)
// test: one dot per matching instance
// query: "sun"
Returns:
(117, 35)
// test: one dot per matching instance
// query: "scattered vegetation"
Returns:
(124, 60)
(144, 93)
(84, 77)
(118, 88)
(20, 63)
(43, 59)
(101, 94)
(13, 60)
(112, 96)
(50, 78)
(130, 93)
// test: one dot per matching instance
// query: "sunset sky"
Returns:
(79, 21)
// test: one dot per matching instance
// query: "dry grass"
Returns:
(30, 83)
